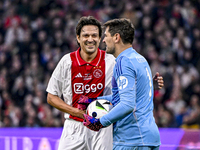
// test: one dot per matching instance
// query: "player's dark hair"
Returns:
(88, 20)
(122, 26)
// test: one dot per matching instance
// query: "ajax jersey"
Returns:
(87, 78)
(74, 77)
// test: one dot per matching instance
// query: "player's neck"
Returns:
(120, 48)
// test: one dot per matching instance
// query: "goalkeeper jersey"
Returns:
(132, 97)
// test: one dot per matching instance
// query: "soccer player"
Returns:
(132, 93)
(86, 71)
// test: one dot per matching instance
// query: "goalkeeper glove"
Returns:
(92, 123)
(84, 101)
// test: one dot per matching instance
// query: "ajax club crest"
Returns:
(97, 73)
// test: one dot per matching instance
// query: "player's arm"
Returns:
(54, 90)
(58, 103)
(127, 102)
(123, 108)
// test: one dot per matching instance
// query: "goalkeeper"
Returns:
(132, 93)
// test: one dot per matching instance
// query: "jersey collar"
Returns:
(124, 53)
(95, 62)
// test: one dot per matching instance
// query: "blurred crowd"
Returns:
(35, 34)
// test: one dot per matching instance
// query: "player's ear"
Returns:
(116, 37)
(78, 38)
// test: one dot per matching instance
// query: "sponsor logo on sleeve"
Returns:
(122, 82)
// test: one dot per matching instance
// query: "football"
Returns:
(98, 108)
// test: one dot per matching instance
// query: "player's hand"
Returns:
(84, 101)
(159, 79)
(92, 123)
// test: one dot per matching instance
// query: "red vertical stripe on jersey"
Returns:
(87, 78)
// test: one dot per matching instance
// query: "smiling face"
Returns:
(89, 39)
(108, 40)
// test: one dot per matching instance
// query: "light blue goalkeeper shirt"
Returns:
(132, 98)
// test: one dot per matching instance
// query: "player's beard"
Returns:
(110, 50)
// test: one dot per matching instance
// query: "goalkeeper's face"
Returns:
(89, 39)
(110, 42)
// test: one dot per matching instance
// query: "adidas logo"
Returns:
(78, 75)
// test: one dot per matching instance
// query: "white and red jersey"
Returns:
(74, 77)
